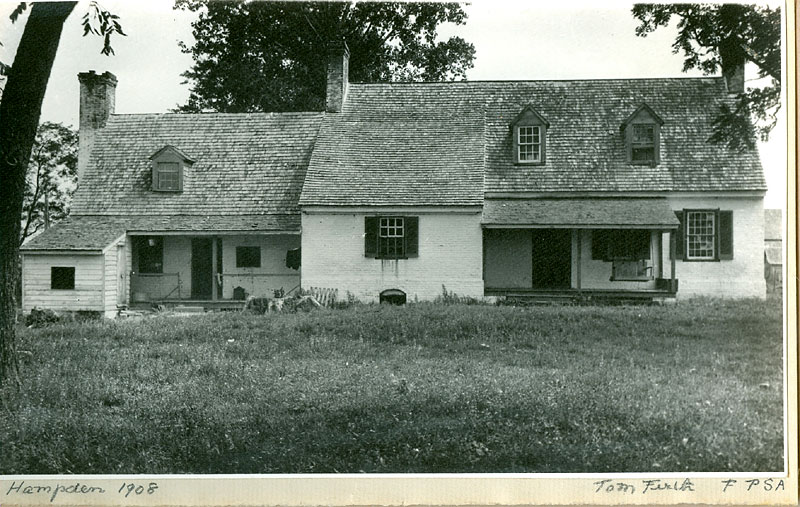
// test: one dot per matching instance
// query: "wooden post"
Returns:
(672, 241)
(213, 268)
(660, 246)
(578, 269)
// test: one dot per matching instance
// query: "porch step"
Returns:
(573, 297)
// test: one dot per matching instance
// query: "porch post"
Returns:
(672, 243)
(578, 269)
(214, 268)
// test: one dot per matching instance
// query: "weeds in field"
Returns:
(694, 386)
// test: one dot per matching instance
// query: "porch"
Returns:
(213, 271)
(580, 249)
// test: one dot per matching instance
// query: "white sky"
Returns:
(513, 40)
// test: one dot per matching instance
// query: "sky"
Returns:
(513, 40)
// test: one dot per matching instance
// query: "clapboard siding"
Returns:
(88, 292)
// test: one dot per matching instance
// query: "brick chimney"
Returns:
(97, 104)
(733, 70)
(338, 69)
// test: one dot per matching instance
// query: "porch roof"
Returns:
(94, 233)
(579, 213)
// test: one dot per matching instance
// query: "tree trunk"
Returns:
(20, 109)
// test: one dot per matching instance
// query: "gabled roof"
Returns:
(246, 164)
(646, 109)
(171, 149)
(448, 143)
(530, 110)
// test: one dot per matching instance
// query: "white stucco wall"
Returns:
(743, 276)
(273, 273)
(450, 254)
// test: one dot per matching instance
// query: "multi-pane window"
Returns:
(391, 237)
(529, 144)
(643, 143)
(700, 234)
(168, 176)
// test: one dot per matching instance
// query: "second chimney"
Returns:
(98, 93)
(338, 69)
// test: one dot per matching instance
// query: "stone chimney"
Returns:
(97, 104)
(338, 69)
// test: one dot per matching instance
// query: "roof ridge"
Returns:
(563, 80)
(216, 113)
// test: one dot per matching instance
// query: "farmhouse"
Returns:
(591, 187)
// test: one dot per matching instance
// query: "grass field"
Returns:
(695, 386)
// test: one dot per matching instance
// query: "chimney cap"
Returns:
(93, 77)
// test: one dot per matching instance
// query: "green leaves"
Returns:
(709, 34)
(272, 56)
(99, 21)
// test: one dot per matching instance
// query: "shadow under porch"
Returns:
(213, 271)
(577, 264)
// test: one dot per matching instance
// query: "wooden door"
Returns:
(201, 268)
(552, 258)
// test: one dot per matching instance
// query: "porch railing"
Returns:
(147, 287)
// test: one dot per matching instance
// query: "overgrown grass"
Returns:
(695, 386)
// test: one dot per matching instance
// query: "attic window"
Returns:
(642, 131)
(167, 176)
(169, 164)
(643, 143)
(529, 131)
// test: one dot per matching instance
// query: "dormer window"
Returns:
(169, 164)
(530, 137)
(642, 131)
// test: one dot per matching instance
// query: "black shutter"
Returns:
(370, 236)
(680, 235)
(412, 236)
(726, 235)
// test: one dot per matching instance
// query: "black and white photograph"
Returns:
(261, 238)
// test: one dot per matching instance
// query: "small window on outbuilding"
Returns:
(529, 132)
(168, 167)
(642, 133)
(62, 278)
(248, 256)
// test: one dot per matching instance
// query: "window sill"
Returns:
(632, 279)
(529, 163)
(700, 260)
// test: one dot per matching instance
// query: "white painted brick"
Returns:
(450, 254)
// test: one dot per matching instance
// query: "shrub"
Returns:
(451, 298)
(40, 317)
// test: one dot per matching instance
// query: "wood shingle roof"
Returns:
(435, 143)
(246, 164)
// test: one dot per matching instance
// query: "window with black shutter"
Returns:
(391, 237)
(705, 235)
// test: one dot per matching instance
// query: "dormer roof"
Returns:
(172, 149)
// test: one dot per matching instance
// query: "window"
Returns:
(643, 143)
(167, 176)
(529, 136)
(700, 235)
(150, 254)
(704, 235)
(248, 256)
(62, 278)
(391, 237)
(529, 144)
(169, 164)
(642, 133)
